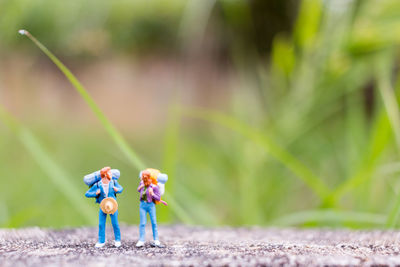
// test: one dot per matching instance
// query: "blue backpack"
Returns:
(95, 177)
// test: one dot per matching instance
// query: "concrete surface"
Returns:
(199, 246)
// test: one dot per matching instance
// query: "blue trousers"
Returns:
(146, 207)
(102, 226)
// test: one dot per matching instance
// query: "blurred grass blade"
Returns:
(117, 137)
(171, 141)
(384, 67)
(394, 213)
(56, 174)
(113, 132)
(283, 56)
(386, 121)
(288, 160)
(169, 159)
(194, 21)
(379, 139)
(23, 217)
(308, 22)
(329, 216)
(178, 210)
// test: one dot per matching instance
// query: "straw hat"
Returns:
(109, 205)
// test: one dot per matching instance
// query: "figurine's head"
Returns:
(146, 178)
(106, 173)
(153, 175)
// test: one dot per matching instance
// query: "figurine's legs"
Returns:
(142, 226)
(115, 225)
(153, 219)
(102, 226)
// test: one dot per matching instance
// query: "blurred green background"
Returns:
(276, 112)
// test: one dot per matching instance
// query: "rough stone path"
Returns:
(199, 246)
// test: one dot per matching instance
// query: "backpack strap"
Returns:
(97, 184)
(111, 187)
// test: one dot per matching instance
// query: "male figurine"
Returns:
(105, 192)
(149, 195)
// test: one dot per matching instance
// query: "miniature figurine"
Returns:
(151, 188)
(104, 187)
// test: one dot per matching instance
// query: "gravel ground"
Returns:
(199, 246)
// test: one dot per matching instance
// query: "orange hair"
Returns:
(153, 175)
(104, 172)
(148, 179)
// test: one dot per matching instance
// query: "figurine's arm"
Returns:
(156, 193)
(141, 185)
(93, 191)
(117, 188)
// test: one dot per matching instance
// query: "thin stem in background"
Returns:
(106, 123)
(113, 132)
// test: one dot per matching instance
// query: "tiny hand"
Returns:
(141, 186)
(115, 189)
(151, 191)
(98, 192)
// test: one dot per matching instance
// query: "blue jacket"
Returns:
(111, 193)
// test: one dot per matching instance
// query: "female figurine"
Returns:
(149, 195)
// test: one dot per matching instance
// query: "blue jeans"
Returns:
(146, 207)
(102, 226)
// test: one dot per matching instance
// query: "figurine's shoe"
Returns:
(99, 245)
(158, 244)
(139, 244)
(117, 244)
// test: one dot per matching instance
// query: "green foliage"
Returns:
(54, 172)
(308, 23)
(304, 138)
(271, 147)
(93, 27)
